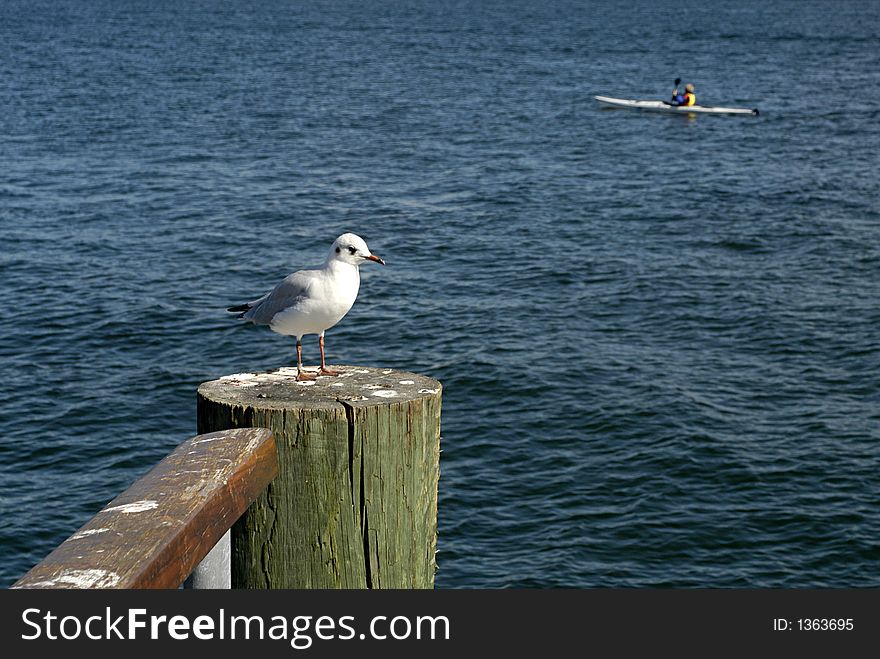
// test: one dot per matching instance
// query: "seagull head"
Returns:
(352, 249)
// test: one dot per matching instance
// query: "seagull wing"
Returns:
(292, 291)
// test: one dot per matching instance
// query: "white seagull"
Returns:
(314, 300)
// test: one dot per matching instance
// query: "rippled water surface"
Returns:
(658, 336)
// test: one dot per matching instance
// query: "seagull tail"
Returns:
(243, 308)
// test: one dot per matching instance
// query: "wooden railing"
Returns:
(160, 529)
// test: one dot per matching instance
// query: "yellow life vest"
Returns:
(689, 99)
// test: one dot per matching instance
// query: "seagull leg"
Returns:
(300, 374)
(324, 369)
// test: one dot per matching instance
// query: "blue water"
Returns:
(658, 336)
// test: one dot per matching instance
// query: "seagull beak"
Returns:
(373, 257)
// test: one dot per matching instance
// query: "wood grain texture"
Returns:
(355, 502)
(155, 533)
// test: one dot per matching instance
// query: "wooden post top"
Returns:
(355, 386)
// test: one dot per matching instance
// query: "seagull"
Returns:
(312, 301)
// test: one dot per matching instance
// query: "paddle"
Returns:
(677, 83)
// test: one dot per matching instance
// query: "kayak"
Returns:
(660, 106)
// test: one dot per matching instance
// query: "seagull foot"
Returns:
(303, 376)
(327, 371)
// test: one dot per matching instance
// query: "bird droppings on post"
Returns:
(239, 376)
(134, 507)
(205, 441)
(89, 578)
(87, 532)
(353, 384)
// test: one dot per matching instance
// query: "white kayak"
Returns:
(660, 106)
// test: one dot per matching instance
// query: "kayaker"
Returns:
(677, 98)
(688, 98)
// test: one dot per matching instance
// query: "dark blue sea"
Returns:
(658, 336)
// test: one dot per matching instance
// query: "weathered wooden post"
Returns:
(355, 501)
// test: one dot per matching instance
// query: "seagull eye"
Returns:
(352, 250)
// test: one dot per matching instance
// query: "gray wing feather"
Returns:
(290, 292)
